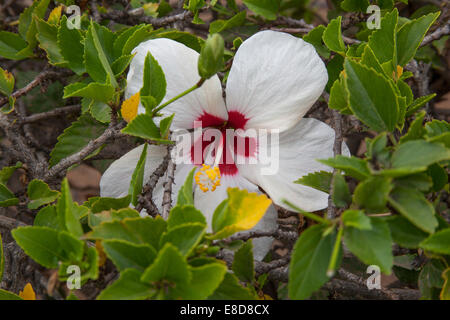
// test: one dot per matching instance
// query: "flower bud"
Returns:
(211, 57)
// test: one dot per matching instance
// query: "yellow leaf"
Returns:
(55, 15)
(27, 293)
(130, 107)
(445, 293)
(243, 212)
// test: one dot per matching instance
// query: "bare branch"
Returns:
(113, 131)
(52, 113)
(167, 197)
(439, 33)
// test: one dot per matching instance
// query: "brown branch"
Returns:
(145, 200)
(436, 35)
(112, 132)
(277, 234)
(40, 78)
(137, 16)
(10, 223)
(167, 197)
(52, 113)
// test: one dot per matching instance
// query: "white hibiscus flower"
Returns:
(275, 78)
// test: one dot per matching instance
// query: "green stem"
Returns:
(196, 86)
(307, 214)
(334, 255)
(392, 138)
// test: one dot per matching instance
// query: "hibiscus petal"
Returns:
(299, 148)
(179, 64)
(274, 80)
(207, 202)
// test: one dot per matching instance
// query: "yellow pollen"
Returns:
(208, 178)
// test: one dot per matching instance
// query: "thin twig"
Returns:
(167, 197)
(436, 35)
(52, 113)
(145, 200)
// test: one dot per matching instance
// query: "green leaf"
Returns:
(265, 8)
(356, 219)
(40, 193)
(309, 263)
(405, 233)
(104, 203)
(120, 64)
(371, 61)
(6, 172)
(372, 246)
(98, 50)
(129, 255)
(94, 90)
(320, 180)
(372, 193)
(95, 219)
(372, 97)
(185, 237)
(186, 194)
(154, 83)
(7, 198)
(13, 47)
(341, 194)
(75, 137)
(352, 166)
(438, 175)
(71, 248)
(70, 42)
(438, 242)
(339, 97)
(410, 36)
(383, 40)
(407, 157)
(241, 211)
(6, 295)
(68, 211)
(221, 25)
(41, 244)
(48, 41)
(169, 265)
(315, 38)
(47, 217)
(6, 82)
(332, 36)
(144, 127)
(230, 289)
(134, 230)
(180, 215)
(123, 37)
(27, 25)
(355, 5)
(143, 33)
(99, 110)
(128, 287)
(137, 179)
(430, 279)
(418, 181)
(205, 279)
(416, 130)
(419, 103)
(413, 205)
(243, 262)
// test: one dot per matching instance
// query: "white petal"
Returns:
(179, 64)
(274, 80)
(299, 148)
(115, 181)
(207, 202)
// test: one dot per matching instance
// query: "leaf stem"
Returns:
(196, 86)
(307, 214)
(334, 255)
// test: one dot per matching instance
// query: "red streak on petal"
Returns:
(236, 120)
